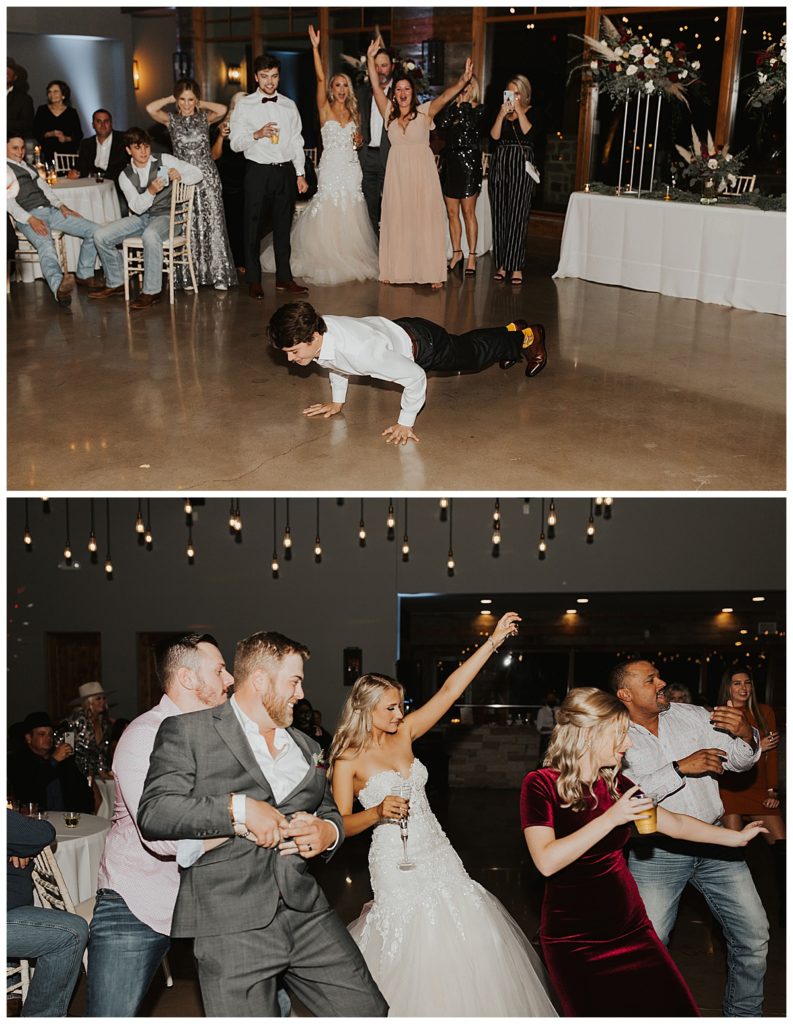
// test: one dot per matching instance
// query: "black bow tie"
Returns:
(270, 99)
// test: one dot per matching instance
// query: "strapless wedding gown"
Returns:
(332, 239)
(436, 942)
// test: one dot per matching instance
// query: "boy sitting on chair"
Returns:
(146, 182)
(400, 350)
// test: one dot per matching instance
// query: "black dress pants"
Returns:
(273, 186)
(373, 164)
(435, 349)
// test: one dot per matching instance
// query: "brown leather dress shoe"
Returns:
(291, 286)
(535, 355)
(63, 296)
(144, 301)
(106, 293)
(255, 291)
(90, 282)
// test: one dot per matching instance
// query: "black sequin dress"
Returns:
(461, 168)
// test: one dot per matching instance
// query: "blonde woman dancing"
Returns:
(333, 240)
(435, 941)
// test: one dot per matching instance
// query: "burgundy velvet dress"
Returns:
(600, 948)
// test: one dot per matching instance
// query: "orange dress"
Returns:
(744, 792)
(413, 220)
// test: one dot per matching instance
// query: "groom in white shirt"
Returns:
(401, 351)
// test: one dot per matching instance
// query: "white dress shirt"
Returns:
(250, 114)
(376, 123)
(283, 772)
(103, 152)
(682, 729)
(139, 202)
(23, 216)
(546, 720)
(372, 346)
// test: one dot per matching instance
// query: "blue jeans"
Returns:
(153, 231)
(662, 872)
(56, 940)
(123, 956)
(45, 247)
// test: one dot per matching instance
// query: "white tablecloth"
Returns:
(98, 201)
(484, 239)
(78, 852)
(726, 254)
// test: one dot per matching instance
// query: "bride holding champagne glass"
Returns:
(431, 934)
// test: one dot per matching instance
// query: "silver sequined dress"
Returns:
(214, 264)
(436, 942)
(332, 238)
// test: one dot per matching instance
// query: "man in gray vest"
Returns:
(37, 210)
(146, 183)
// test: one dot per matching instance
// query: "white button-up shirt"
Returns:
(250, 114)
(103, 152)
(682, 729)
(139, 202)
(372, 346)
(23, 216)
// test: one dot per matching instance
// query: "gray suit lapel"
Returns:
(232, 734)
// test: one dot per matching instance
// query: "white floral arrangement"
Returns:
(771, 70)
(710, 163)
(624, 64)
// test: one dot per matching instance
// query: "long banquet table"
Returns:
(727, 254)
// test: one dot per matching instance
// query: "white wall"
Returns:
(351, 598)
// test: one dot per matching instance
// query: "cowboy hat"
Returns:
(92, 689)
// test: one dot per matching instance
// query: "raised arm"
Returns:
(319, 72)
(215, 111)
(380, 97)
(429, 714)
(155, 109)
(551, 854)
(343, 793)
(448, 94)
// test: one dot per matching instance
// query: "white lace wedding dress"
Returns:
(332, 239)
(436, 942)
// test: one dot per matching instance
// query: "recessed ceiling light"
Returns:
(582, 600)
(485, 600)
(571, 611)
(758, 599)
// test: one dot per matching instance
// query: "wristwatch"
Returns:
(239, 826)
(676, 767)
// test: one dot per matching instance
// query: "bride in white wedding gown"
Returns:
(332, 239)
(436, 942)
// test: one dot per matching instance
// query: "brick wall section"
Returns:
(491, 756)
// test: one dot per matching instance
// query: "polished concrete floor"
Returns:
(497, 857)
(640, 392)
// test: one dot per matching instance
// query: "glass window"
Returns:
(702, 31)
(761, 130)
(541, 50)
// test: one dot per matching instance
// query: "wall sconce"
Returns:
(135, 75)
(234, 74)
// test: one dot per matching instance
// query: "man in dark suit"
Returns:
(247, 799)
(105, 151)
(45, 774)
(19, 105)
(373, 153)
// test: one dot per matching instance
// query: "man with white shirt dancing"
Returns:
(677, 753)
(146, 182)
(138, 880)
(401, 351)
(266, 127)
(254, 789)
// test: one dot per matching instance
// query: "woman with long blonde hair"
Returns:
(576, 812)
(435, 941)
(332, 239)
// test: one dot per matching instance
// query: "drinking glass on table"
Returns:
(71, 819)
(29, 808)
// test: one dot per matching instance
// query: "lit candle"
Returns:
(586, 187)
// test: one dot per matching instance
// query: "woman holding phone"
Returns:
(576, 813)
(511, 184)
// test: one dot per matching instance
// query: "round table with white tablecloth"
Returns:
(96, 200)
(78, 852)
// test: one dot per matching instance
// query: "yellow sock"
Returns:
(528, 337)
(512, 327)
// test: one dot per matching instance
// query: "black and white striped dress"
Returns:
(510, 188)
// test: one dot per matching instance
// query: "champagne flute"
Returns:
(404, 790)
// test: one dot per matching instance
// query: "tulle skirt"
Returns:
(452, 957)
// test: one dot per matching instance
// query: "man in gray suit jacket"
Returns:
(255, 794)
